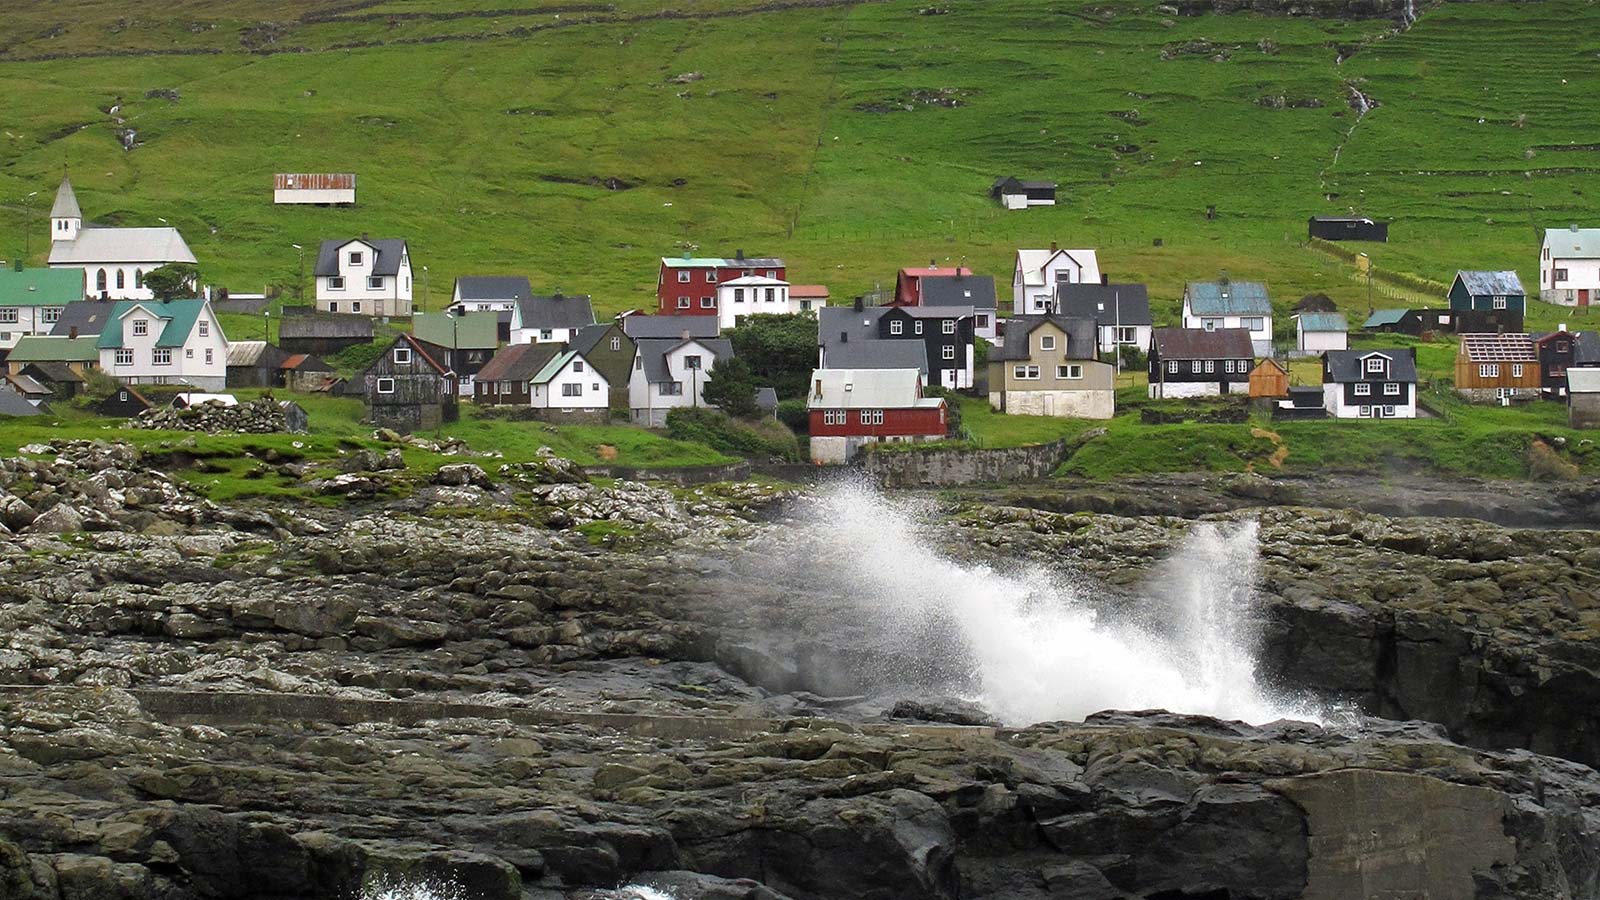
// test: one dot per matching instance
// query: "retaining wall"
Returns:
(951, 467)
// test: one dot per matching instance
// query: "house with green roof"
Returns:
(31, 300)
(164, 342)
(462, 342)
(78, 353)
(1225, 303)
(569, 389)
(1315, 333)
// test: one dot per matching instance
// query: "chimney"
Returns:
(1561, 326)
(819, 389)
(1054, 246)
(1574, 227)
(933, 264)
(1105, 278)
(844, 337)
(739, 254)
(861, 303)
(72, 333)
(684, 334)
(365, 236)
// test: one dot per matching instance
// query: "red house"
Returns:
(687, 285)
(850, 408)
(908, 284)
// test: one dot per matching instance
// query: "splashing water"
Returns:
(384, 888)
(1024, 644)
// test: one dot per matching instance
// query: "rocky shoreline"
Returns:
(533, 686)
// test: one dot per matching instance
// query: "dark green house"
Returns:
(1488, 292)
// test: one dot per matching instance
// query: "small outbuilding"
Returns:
(1394, 321)
(122, 403)
(323, 335)
(1348, 228)
(1270, 380)
(1583, 398)
(1318, 332)
(1014, 193)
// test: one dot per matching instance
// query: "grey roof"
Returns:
(14, 404)
(584, 339)
(670, 326)
(964, 311)
(655, 350)
(1495, 348)
(518, 362)
(556, 311)
(54, 372)
(1362, 219)
(315, 326)
(1573, 242)
(976, 291)
(1196, 343)
(89, 317)
(254, 353)
(861, 325)
(493, 287)
(66, 205)
(766, 398)
(158, 245)
(1348, 365)
(385, 261)
(1480, 284)
(878, 354)
(1081, 342)
(1228, 298)
(1586, 349)
(1106, 304)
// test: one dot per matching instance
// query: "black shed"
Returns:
(1348, 228)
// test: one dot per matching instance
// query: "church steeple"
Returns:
(66, 219)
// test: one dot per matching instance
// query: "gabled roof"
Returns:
(85, 317)
(720, 262)
(755, 281)
(324, 326)
(14, 404)
(53, 372)
(1034, 263)
(1480, 284)
(1382, 317)
(1106, 304)
(976, 291)
(933, 312)
(518, 362)
(557, 311)
(1079, 331)
(933, 271)
(305, 362)
(642, 326)
(66, 205)
(466, 331)
(870, 353)
(1323, 321)
(40, 287)
(53, 348)
(654, 351)
(27, 385)
(1586, 349)
(1012, 182)
(867, 389)
(404, 339)
(1350, 365)
(177, 317)
(493, 287)
(1573, 242)
(1196, 343)
(1362, 220)
(387, 253)
(1228, 298)
(1583, 381)
(1499, 348)
(584, 339)
(254, 353)
(558, 363)
(95, 245)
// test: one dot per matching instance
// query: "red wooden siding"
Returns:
(896, 423)
(669, 288)
(323, 181)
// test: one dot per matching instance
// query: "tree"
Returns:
(781, 350)
(172, 281)
(732, 388)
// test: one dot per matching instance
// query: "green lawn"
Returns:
(487, 140)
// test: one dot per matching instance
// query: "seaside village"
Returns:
(118, 310)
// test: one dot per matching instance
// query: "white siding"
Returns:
(29, 320)
(592, 389)
(392, 298)
(1141, 338)
(1333, 402)
(189, 363)
(1582, 274)
(296, 195)
(1320, 341)
(730, 310)
(650, 405)
(1260, 337)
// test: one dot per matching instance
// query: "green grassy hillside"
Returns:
(849, 137)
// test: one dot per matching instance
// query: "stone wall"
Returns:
(736, 471)
(1061, 404)
(261, 416)
(949, 467)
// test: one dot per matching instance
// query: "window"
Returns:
(577, 365)
(355, 257)
(949, 326)
(1019, 371)
(896, 326)
(1363, 389)
(638, 363)
(1499, 303)
(683, 276)
(683, 302)
(1210, 324)
(138, 278)
(121, 277)
(772, 295)
(918, 328)
(1172, 367)
(711, 276)
(877, 417)
(124, 357)
(1488, 370)
(205, 328)
(572, 390)
(375, 283)
(402, 356)
(385, 385)
(1127, 334)
(335, 282)
(100, 281)
(355, 306)
(1388, 411)
(8, 314)
(948, 352)
(162, 357)
(1073, 372)
(1375, 364)
(1047, 342)
(1227, 366)
(50, 314)
(1366, 411)
(1557, 274)
(1516, 370)
(545, 334)
(1064, 276)
(692, 361)
(772, 273)
(1033, 373)
(140, 327)
(738, 295)
(1211, 366)
(1194, 367)
(982, 320)
(1392, 389)
(616, 345)
(1254, 323)
(708, 303)
(188, 354)
(864, 417)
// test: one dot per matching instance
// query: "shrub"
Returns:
(727, 435)
(952, 402)
(794, 414)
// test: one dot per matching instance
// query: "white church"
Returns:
(114, 260)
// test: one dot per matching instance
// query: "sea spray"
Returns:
(1024, 643)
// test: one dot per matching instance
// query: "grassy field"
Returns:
(851, 138)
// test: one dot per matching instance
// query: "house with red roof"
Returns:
(908, 284)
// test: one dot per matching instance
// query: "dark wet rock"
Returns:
(949, 711)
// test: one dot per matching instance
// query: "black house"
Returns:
(1348, 228)
(946, 333)
(1558, 351)
(123, 403)
(1394, 321)
(406, 389)
(1191, 362)
(1014, 193)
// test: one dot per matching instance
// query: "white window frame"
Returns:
(335, 282)
(1516, 370)
(683, 276)
(204, 327)
(1375, 364)
(1254, 323)
(355, 257)
(1227, 366)
(50, 315)
(896, 327)
(1195, 367)
(708, 303)
(1388, 411)
(9, 315)
(355, 306)
(1172, 367)
(1499, 303)
(1211, 367)
(864, 417)
(375, 283)
(1488, 370)
(877, 417)
(683, 302)
(161, 356)
(711, 276)
(577, 365)
(402, 356)
(948, 353)
(949, 326)
(738, 295)
(545, 334)
(1070, 372)
(1126, 334)
(123, 357)
(1047, 342)
(1392, 389)
(382, 389)
(1366, 412)
(141, 327)
(571, 389)
(918, 328)
(616, 344)
(1363, 389)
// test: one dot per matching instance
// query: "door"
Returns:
(1583, 296)
(1049, 404)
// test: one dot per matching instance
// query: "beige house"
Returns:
(1048, 367)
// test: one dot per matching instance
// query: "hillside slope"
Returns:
(578, 142)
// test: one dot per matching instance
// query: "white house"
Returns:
(1033, 283)
(164, 342)
(1569, 266)
(1316, 333)
(364, 276)
(1121, 312)
(568, 382)
(1370, 384)
(1212, 305)
(489, 293)
(751, 295)
(550, 320)
(114, 260)
(316, 188)
(31, 301)
(669, 373)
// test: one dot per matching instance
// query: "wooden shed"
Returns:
(406, 389)
(1347, 228)
(1269, 379)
